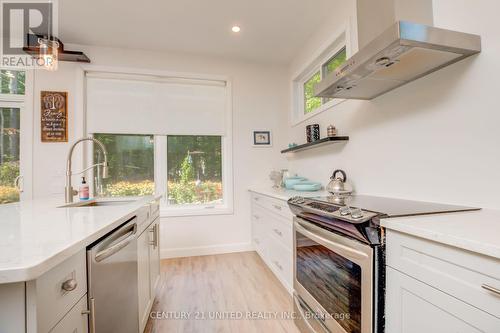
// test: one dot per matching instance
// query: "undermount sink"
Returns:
(97, 203)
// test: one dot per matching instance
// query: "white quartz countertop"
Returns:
(36, 235)
(476, 231)
(284, 194)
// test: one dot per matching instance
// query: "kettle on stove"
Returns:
(338, 186)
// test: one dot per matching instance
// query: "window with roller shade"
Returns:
(187, 123)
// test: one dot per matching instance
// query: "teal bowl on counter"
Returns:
(306, 186)
(291, 181)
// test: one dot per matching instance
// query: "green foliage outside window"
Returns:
(337, 60)
(311, 103)
(12, 82)
(131, 164)
(194, 169)
(9, 153)
(187, 170)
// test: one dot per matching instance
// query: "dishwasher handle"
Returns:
(130, 236)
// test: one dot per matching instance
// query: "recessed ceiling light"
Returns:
(236, 28)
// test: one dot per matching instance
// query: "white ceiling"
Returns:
(271, 30)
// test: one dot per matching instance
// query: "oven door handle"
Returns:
(304, 317)
(341, 249)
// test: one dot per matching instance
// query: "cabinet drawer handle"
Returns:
(256, 217)
(256, 199)
(277, 232)
(91, 313)
(492, 289)
(277, 207)
(69, 285)
(278, 265)
(154, 233)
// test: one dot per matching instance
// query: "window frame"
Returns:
(160, 181)
(340, 40)
(25, 105)
(193, 210)
(160, 149)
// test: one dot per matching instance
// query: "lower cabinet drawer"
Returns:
(275, 206)
(415, 307)
(259, 239)
(281, 262)
(281, 230)
(58, 290)
(460, 273)
(75, 321)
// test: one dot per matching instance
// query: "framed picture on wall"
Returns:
(262, 138)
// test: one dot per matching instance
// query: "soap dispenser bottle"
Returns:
(83, 191)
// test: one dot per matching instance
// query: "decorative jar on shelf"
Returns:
(331, 131)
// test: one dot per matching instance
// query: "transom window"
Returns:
(312, 103)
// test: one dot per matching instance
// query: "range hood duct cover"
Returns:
(403, 53)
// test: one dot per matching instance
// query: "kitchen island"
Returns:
(43, 266)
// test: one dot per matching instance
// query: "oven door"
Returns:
(333, 281)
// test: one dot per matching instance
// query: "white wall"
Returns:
(49, 159)
(259, 102)
(434, 139)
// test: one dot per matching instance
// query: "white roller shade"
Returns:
(138, 104)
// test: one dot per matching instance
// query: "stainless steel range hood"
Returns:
(403, 53)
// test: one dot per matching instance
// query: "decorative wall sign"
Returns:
(54, 116)
(262, 138)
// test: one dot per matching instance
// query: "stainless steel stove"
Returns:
(339, 259)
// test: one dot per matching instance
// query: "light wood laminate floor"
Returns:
(234, 287)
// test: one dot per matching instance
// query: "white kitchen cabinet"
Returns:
(13, 307)
(415, 307)
(432, 287)
(272, 236)
(148, 257)
(53, 294)
(154, 256)
(75, 321)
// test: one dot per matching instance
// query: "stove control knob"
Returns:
(344, 211)
(357, 213)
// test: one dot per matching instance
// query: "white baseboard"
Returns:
(205, 250)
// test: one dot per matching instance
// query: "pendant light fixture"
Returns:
(48, 53)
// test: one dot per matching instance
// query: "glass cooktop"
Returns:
(389, 206)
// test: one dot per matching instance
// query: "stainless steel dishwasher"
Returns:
(112, 281)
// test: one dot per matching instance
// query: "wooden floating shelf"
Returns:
(33, 49)
(314, 144)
